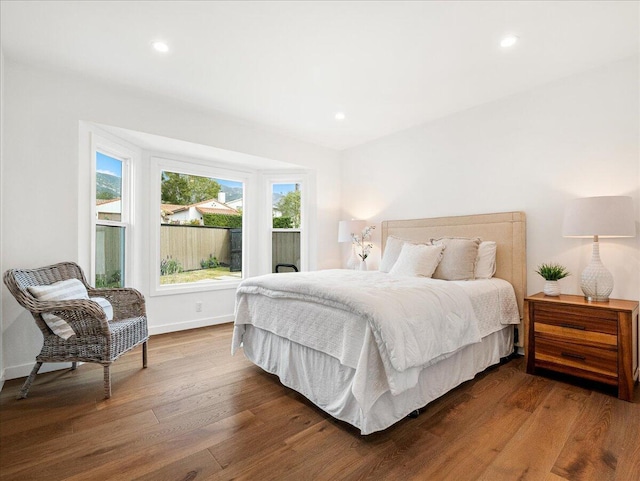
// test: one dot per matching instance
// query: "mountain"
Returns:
(232, 193)
(108, 186)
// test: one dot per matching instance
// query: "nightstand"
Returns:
(590, 340)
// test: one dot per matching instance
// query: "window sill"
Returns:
(202, 286)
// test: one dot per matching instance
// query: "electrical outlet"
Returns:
(199, 306)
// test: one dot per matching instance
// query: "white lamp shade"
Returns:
(348, 227)
(608, 216)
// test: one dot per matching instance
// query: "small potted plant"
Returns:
(552, 273)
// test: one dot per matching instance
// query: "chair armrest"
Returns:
(126, 301)
(85, 316)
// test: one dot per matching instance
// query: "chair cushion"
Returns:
(106, 307)
(64, 291)
(59, 291)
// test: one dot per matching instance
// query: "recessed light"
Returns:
(160, 46)
(508, 41)
(340, 116)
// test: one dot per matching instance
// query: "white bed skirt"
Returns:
(293, 363)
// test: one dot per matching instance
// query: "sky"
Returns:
(283, 188)
(108, 165)
(229, 183)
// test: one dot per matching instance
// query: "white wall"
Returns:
(43, 111)
(576, 137)
(1, 204)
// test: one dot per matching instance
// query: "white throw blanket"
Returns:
(415, 321)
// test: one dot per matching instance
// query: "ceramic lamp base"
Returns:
(596, 281)
(354, 261)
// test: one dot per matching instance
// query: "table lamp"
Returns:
(346, 230)
(607, 216)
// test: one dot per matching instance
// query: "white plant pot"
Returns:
(551, 288)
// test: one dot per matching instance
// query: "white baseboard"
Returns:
(15, 372)
(183, 326)
(23, 370)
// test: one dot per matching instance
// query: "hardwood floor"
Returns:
(197, 413)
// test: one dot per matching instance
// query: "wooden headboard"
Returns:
(507, 229)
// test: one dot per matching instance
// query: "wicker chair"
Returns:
(96, 339)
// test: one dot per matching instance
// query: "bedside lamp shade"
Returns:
(610, 216)
(599, 216)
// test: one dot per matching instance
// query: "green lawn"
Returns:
(199, 275)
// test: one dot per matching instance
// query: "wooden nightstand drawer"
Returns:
(601, 364)
(577, 334)
(580, 318)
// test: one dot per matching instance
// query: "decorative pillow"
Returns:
(459, 258)
(486, 260)
(391, 252)
(59, 291)
(418, 260)
(106, 307)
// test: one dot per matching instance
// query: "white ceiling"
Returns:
(291, 65)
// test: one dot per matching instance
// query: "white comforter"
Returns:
(413, 321)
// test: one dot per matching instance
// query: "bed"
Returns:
(357, 345)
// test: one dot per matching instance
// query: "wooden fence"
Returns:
(191, 244)
(109, 250)
(285, 249)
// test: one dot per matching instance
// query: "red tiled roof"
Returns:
(106, 201)
(173, 208)
(213, 210)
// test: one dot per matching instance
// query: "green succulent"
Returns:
(552, 272)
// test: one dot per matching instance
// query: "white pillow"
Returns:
(106, 307)
(391, 252)
(59, 291)
(486, 260)
(62, 291)
(417, 260)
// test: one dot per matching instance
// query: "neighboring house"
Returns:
(108, 209)
(235, 204)
(186, 214)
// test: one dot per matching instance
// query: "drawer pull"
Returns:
(573, 326)
(574, 356)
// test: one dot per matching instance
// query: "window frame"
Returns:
(127, 157)
(306, 192)
(159, 163)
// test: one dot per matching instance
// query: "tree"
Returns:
(203, 188)
(289, 206)
(175, 189)
(183, 189)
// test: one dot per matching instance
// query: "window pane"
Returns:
(109, 256)
(201, 228)
(108, 187)
(286, 206)
(285, 251)
(285, 246)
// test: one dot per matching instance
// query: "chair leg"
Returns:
(107, 381)
(144, 354)
(27, 384)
